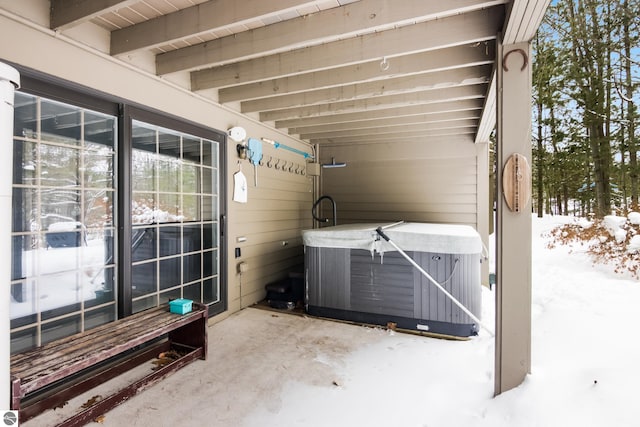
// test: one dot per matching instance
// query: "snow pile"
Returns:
(584, 223)
(634, 244)
(64, 226)
(613, 223)
(620, 235)
(634, 218)
(143, 212)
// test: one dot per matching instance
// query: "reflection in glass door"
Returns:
(63, 228)
(174, 211)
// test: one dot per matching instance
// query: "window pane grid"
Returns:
(172, 200)
(62, 226)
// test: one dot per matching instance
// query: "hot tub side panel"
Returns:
(350, 284)
(459, 274)
(327, 277)
(383, 288)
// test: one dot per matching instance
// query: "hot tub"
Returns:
(352, 274)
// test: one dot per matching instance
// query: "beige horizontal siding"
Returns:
(410, 208)
(403, 181)
(284, 185)
(401, 197)
(278, 208)
(368, 216)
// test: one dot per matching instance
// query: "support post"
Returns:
(513, 228)
(9, 81)
(485, 214)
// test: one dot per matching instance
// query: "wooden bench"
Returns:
(48, 376)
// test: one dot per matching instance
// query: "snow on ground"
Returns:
(584, 346)
(268, 369)
(585, 353)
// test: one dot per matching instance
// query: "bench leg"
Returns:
(16, 394)
(193, 335)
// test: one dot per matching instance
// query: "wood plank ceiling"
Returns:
(326, 71)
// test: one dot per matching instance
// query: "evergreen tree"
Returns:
(585, 81)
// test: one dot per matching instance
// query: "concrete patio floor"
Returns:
(261, 362)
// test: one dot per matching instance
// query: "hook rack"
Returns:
(276, 163)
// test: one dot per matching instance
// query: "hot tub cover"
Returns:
(409, 236)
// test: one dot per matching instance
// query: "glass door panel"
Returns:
(63, 229)
(172, 199)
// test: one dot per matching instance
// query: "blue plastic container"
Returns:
(180, 306)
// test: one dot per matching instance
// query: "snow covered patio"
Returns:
(277, 369)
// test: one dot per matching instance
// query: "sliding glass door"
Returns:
(115, 210)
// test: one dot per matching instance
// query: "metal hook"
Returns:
(384, 65)
(524, 58)
(269, 164)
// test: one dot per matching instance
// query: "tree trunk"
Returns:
(601, 155)
(631, 140)
(540, 162)
(562, 185)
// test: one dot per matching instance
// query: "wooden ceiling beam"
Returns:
(68, 13)
(392, 129)
(378, 103)
(218, 15)
(398, 137)
(389, 122)
(438, 60)
(396, 112)
(345, 22)
(414, 83)
(468, 28)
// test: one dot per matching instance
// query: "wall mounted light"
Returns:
(237, 133)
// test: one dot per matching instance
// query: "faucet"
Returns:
(315, 205)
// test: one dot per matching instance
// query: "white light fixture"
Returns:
(237, 133)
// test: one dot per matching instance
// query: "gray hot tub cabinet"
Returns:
(350, 274)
